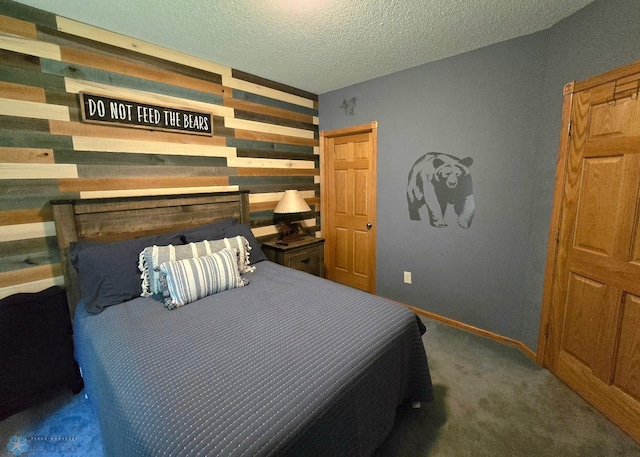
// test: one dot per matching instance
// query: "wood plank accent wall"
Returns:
(265, 134)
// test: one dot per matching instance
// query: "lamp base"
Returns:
(289, 232)
(290, 238)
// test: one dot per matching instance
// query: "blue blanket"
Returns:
(289, 365)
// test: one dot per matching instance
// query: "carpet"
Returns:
(490, 400)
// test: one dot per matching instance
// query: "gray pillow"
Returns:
(108, 272)
(256, 254)
(213, 231)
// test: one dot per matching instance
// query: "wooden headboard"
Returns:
(124, 218)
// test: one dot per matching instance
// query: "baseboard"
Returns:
(478, 331)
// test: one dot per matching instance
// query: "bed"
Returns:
(289, 364)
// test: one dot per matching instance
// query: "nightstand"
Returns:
(306, 254)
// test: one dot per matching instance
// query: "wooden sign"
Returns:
(124, 113)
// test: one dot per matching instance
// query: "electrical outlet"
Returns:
(407, 277)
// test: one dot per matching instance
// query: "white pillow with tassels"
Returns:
(189, 280)
(152, 257)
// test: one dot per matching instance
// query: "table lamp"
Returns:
(290, 205)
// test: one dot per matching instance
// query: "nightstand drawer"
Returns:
(306, 255)
(307, 260)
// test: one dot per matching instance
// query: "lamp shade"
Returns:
(291, 202)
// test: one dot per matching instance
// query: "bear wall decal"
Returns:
(437, 180)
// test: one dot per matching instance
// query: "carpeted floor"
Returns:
(491, 400)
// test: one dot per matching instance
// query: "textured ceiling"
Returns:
(318, 45)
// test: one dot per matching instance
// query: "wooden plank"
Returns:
(276, 154)
(81, 143)
(219, 129)
(267, 119)
(11, 278)
(273, 84)
(271, 205)
(27, 14)
(248, 86)
(26, 216)
(94, 225)
(134, 161)
(249, 145)
(278, 172)
(29, 78)
(75, 42)
(264, 231)
(241, 124)
(37, 171)
(26, 231)
(260, 188)
(30, 287)
(149, 202)
(99, 76)
(20, 139)
(29, 194)
(276, 138)
(121, 41)
(251, 107)
(26, 155)
(269, 163)
(13, 26)
(126, 67)
(100, 131)
(155, 191)
(24, 123)
(30, 47)
(19, 61)
(63, 98)
(287, 182)
(33, 110)
(76, 85)
(267, 101)
(22, 92)
(158, 173)
(15, 255)
(276, 196)
(84, 185)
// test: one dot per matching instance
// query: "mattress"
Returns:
(289, 365)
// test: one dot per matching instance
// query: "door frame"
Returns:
(544, 355)
(325, 191)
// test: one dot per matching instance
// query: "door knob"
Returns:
(369, 225)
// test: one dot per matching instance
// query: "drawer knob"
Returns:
(305, 261)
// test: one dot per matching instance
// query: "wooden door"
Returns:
(348, 191)
(590, 335)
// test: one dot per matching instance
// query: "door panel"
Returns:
(599, 208)
(349, 205)
(627, 373)
(592, 333)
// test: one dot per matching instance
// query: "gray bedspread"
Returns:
(289, 365)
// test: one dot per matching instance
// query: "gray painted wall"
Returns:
(500, 105)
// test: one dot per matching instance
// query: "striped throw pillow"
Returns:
(152, 257)
(189, 280)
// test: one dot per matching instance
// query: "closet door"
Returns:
(592, 328)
